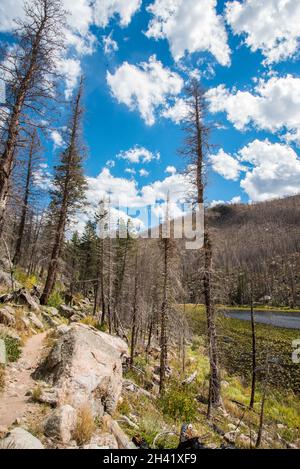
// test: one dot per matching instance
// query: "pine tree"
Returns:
(88, 249)
(69, 190)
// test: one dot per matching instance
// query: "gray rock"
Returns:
(7, 331)
(245, 440)
(66, 311)
(230, 437)
(75, 318)
(19, 438)
(102, 441)
(49, 320)
(7, 316)
(50, 310)
(85, 365)
(35, 321)
(21, 297)
(61, 424)
(62, 329)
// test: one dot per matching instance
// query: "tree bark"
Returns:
(134, 314)
(163, 328)
(8, 155)
(25, 202)
(214, 380)
(253, 384)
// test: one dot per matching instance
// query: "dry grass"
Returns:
(36, 393)
(90, 321)
(2, 376)
(20, 326)
(85, 425)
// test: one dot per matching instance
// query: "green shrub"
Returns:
(102, 327)
(28, 281)
(13, 350)
(140, 362)
(179, 402)
(55, 300)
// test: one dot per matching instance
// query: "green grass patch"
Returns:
(55, 300)
(235, 347)
(27, 281)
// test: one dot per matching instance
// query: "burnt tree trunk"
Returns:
(163, 323)
(134, 314)
(253, 384)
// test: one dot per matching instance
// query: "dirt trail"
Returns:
(14, 404)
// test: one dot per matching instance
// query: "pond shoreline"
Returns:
(276, 318)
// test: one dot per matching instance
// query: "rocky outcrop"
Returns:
(21, 297)
(19, 438)
(7, 316)
(85, 365)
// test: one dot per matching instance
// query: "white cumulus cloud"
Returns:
(272, 26)
(138, 154)
(144, 87)
(273, 105)
(105, 10)
(78, 35)
(177, 112)
(190, 26)
(171, 170)
(270, 170)
(225, 165)
(143, 172)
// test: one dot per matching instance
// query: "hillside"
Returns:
(258, 243)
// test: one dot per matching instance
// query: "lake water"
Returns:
(274, 318)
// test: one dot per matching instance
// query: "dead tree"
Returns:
(196, 147)
(263, 402)
(253, 384)
(134, 312)
(29, 72)
(33, 154)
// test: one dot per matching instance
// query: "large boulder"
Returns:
(61, 424)
(19, 438)
(85, 365)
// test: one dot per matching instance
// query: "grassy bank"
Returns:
(159, 419)
(235, 348)
(281, 309)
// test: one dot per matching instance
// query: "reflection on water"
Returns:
(274, 318)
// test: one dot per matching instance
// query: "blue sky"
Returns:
(249, 46)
